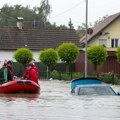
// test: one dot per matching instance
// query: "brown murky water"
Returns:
(56, 103)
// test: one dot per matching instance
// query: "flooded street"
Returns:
(56, 103)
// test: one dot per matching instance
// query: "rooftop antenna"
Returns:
(70, 24)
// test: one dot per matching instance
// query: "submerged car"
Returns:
(91, 86)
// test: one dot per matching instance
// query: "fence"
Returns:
(18, 69)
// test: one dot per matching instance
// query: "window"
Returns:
(96, 90)
(114, 43)
(103, 42)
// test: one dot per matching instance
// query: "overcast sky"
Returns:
(63, 10)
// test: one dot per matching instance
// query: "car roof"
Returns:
(85, 81)
(93, 85)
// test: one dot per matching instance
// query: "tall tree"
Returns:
(68, 53)
(36, 17)
(97, 55)
(48, 57)
(97, 22)
(81, 29)
(23, 55)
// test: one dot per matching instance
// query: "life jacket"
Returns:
(32, 75)
(36, 69)
(25, 75)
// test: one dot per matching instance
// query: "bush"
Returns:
(65, 76)
(60, 76)
(109, 78)
(77, 75)
(54, 74)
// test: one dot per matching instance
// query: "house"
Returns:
(12, 38)
(107, 33)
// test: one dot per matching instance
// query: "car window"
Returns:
(96, 90)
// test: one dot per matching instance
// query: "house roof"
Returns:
(35, 39)
(99, 28)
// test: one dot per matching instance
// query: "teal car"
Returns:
(91, 86)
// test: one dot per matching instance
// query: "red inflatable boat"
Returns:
(20, 86)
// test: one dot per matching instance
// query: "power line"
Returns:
(7, 16)
(78, 4)
(68, 9)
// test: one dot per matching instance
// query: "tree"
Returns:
(23, 55)
(36, 17)
(97, 22)
(97, 55)
(82, 28)
(118, 54)
(68, 53)
(48, 57)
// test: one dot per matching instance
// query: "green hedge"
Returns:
(65, 76)
(109, 78)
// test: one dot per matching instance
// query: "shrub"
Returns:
(54, 74)
(65, 76)
(109, 78)
(77, 75)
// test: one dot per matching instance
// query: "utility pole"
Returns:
(86, 38)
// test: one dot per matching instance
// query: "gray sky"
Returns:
(63, 10)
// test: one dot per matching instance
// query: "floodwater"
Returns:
(56, 103)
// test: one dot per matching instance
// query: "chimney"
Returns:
(19, 22)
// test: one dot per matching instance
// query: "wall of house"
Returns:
(8, 55)
(112, 31)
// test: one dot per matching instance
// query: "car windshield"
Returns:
(96, 90)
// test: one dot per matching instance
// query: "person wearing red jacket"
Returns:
(30, 73)
(33, 65)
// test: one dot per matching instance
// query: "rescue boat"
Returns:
(20, 86)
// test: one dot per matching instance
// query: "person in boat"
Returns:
(7, 72)
(30, 73)
(33, 65)
(5, 62)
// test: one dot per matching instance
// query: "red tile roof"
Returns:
(35, 39)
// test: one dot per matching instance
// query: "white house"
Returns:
(12, 38)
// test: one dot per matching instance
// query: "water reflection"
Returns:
(56, 103)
